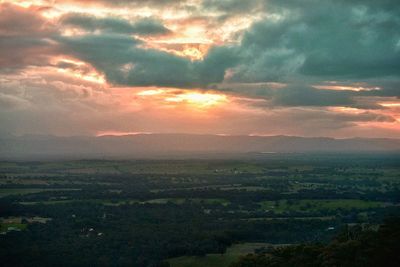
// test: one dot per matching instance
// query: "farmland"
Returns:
(217, 260)
(186, 212)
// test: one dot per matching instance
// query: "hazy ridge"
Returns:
(159, 145)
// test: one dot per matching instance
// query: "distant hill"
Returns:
(172, 145)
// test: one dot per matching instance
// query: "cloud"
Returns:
(280, 95)
(389, 88)
(232, 6)
(148, 26)
(12, 102)
(159, 3)
(19, 52)
(124, 62)
(24, 38)
(145, 26)
(327, 40)
(300, 95)
(19, 21)
(307, 96)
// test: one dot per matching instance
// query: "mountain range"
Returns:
(181, 145)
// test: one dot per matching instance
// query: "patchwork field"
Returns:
(187, 212)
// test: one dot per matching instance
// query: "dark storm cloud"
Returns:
(124, 62)
(325, 39)
(149, 26)
(334, 119)
(307, 96)
(302, 95)
(212, 69)
(145, 26)
(389, 88)
(231, 6)
(313, 96)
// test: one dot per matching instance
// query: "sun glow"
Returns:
(391, 104)
(346, 88)
(198, 99)
(347, 110)
(176, 96)
(151, 92)
(118, 133)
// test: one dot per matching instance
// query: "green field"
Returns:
(282, 206)
(24, 191)
(177, 201)
(217, 260)
(212, 201)
(4, 227)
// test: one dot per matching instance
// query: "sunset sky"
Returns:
(229, 67)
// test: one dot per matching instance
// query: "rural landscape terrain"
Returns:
(189, 212)
(199, 133)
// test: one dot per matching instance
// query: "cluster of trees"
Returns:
(89, 234)
(353, 247)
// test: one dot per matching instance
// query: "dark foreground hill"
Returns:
(175, 145)
(352, 248)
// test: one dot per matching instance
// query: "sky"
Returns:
(228, 67)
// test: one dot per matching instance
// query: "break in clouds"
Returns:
(312, 68)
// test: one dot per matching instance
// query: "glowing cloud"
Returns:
(200, 100)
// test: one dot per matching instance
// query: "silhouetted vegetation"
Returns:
(353, 247)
